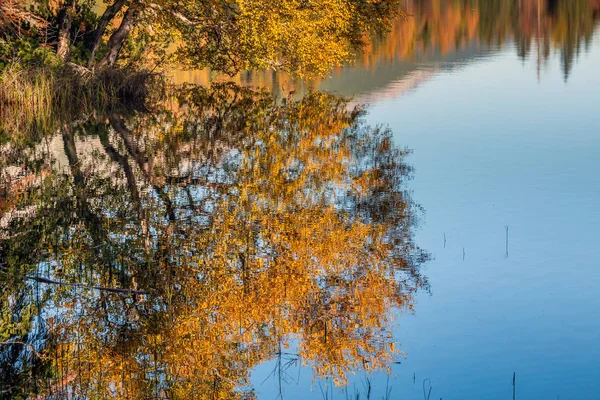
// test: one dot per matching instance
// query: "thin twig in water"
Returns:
(368, 388)
(322, 393)
(514, 384)
(506, 254)
(426, 396)
(388, 389)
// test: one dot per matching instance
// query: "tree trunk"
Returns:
(108, 15)
(64, 31)
(115, 43)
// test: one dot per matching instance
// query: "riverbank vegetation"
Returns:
(75, 55)
(32, 97)
(303, 37)
(78, 41)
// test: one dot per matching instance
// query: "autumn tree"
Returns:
(13, 16)
(303, 36)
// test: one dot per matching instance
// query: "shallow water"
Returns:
(280, 245)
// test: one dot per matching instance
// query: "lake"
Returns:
(442, 245)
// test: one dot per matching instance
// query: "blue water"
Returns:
(495, 144)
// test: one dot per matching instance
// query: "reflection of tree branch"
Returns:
(284, 362)
(93, 223)
(143, 162)
(185, 181)
(158, 183)
(170, 210)
(124, 163)
(138, 155)
(15, 235)
(102, 288)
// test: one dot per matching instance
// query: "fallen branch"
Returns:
(106, 289)
(80, 70)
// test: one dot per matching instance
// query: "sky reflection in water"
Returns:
(504, 132)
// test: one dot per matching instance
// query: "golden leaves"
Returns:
(260, 229)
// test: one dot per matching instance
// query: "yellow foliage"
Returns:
(255, 226)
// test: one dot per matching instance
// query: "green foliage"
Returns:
(27, 51)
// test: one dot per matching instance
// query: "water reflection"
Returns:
(164, 254)
(440, 35)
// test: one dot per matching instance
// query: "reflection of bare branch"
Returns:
(92, 221)
(15, 235)
(185, 181)
(106, 289)
(144, 163)
(285, 361)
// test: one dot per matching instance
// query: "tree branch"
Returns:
(107, 16)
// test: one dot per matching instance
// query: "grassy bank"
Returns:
(32, 97)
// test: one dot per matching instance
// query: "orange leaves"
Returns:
(13, 13)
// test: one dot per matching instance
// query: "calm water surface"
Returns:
(495, 145)
(498, 140)
(280, 245)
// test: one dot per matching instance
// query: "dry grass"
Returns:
(31, 98)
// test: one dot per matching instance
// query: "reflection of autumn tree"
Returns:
(434, 27)
(565, 25)
(254, 226)
(450, 25)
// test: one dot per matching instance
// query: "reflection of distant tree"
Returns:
(446, 26)
(443, 27)
(251, 224)
(567, 25)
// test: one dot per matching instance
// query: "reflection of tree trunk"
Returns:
(71, 153)
(131, 184)
(170, 210)
(144, 163)
(64, 32)
(93, 223)
(117, 39)
(90, 219)
(108, 15)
